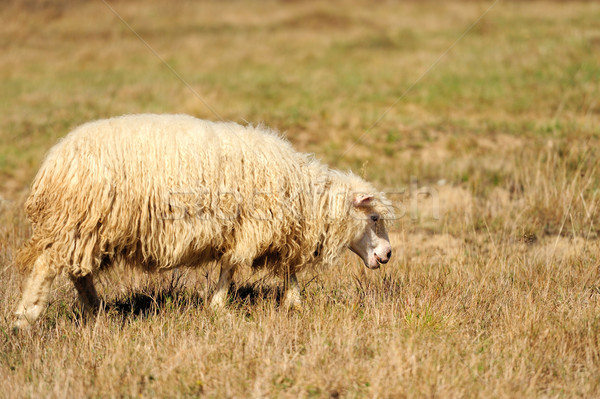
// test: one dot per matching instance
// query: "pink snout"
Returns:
(380, 257)
(384, 258)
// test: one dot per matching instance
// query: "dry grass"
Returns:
(499, 296)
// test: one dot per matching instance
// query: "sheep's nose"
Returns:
(384, 259)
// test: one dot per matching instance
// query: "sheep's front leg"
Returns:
(292, 299)
(35, 294)
(87, 293)
(220, 296)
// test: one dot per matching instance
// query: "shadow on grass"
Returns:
(252, 294)
(145, 304)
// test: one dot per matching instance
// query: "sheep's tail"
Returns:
(33, 248)
(27, 255)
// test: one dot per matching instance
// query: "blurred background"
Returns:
(524, 77)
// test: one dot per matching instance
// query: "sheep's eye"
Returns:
(374, 218)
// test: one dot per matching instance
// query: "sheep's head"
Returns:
(371, 241)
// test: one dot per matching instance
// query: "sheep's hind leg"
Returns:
(219, 297)
(35, 294)
(87, 293)
(292, 299)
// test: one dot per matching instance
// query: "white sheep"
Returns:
(164, 191)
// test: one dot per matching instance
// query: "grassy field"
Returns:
(497, 296)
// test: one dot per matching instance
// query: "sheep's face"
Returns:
(371, 243)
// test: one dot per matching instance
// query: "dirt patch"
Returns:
(422, 247)
(15, 185)
(562, 249)
(317, 19)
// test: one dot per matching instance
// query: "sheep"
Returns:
(163, 191)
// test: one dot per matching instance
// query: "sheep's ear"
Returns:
(361, 200)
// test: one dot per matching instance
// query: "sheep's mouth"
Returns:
(372, 265)
(378, 260)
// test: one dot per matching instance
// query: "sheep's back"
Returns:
(148, 186)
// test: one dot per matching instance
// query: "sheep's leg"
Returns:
(220, 296)
(35, 294)
(87, 293)
(292, 299)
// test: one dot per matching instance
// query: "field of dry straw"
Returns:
(497, 296)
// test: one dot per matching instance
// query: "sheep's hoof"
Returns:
(297, 307)
(294, 305)
(217, 304)
(20, 325)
